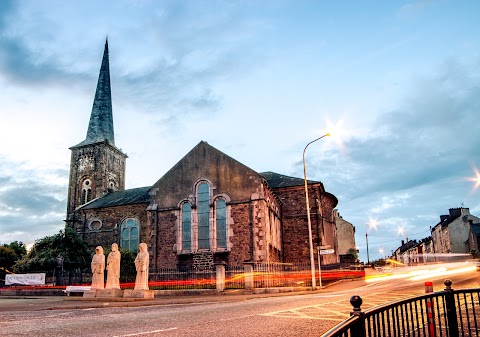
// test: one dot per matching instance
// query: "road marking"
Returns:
(326, 296)
(147, 332)
(310, 312)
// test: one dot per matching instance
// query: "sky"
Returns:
(397, 83)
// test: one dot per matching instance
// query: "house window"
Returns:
(186, 226)
(129, 234)
(203, 204)
(221, 223)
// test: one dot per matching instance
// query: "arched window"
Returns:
(86, 191)
(203, 213)
(221, 222)
(129, 234)
(186, 226)
(202, 226)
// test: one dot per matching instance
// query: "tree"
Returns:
(45, 252)
(10, 253)
(7, 258)
(18, 247)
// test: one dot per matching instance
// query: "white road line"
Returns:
(147, 332)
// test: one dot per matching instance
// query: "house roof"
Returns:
(276, 180)
(120, 198)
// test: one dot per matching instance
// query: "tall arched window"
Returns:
(186, 226)
(221, 223)
(203, 213)
(129, 234)
(86, 191)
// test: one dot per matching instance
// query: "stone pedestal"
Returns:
(130, 293)
(108, 293)
(89, 293)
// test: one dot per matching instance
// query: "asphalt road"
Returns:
(290, 314)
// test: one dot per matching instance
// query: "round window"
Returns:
(95, 224)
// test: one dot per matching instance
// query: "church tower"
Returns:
(97, 166)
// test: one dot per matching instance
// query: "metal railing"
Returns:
(448, 313)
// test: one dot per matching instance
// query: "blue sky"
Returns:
(258, 80)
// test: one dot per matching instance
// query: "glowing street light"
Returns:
(475, 179)
(312, 260)
(373, 224)
(381, 252)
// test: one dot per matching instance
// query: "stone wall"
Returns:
(296, 246)
(111, 218)
(102, 164)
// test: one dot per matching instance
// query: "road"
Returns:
(308, 314)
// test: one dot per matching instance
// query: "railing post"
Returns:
(248, 272)
(358, 329)
(430, 314)
(451, 309)
(220, 273)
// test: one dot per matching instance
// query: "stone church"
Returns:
(208, 208)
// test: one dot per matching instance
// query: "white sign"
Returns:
(326, 251)
(25, 279)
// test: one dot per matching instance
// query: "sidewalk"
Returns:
(32, 303)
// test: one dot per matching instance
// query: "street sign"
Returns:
(326, 251)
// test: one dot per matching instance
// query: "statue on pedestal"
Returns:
(98, 267)
(142, 262)
(113, 268)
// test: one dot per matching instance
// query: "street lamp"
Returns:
(475, 179)
(373, 224)
(312, 260)
(402, 230)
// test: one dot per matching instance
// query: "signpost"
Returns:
(326, 251)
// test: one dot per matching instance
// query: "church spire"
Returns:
(100, 127)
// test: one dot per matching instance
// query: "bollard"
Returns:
(430, 315)
(248, 273)
(220, 272)
(451, 309)
(358, 329)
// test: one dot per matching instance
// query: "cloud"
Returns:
(412, 166)
(31, 204)
(427, 138)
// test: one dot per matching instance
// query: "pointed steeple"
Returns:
(100, 127)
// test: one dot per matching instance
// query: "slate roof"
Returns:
(120, 198)
(275, 180)
(100, 127)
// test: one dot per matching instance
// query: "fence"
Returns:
(449, 313)
(247, 276)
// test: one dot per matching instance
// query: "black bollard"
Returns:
(358, 329)
(451, 309)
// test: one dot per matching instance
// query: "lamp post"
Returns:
(312, 260)
(402, 230)
(373, 223)
(366, 239)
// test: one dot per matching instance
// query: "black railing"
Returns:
(448, 313)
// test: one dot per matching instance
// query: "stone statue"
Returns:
(98, 267)
(113, 268)
(142, 262)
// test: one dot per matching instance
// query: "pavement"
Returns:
(34, 303)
